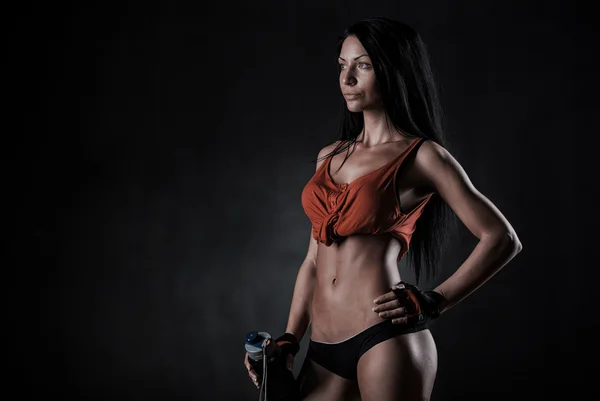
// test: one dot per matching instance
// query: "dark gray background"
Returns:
(157, 178)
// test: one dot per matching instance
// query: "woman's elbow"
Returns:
(506, 239)
(513, 241)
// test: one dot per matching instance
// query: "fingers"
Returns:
(390, 310)
(401, 304)
(251, 372)
(388, 296)
(397, 291)
(390, 305)
(400, 320)
(255, 377)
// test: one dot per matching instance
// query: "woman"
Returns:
(393, 187)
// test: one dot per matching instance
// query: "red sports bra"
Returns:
(367, 205)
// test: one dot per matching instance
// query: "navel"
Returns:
(334, 280)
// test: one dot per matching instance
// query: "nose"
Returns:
(348, 78)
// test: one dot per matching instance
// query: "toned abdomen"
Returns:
(350, 275)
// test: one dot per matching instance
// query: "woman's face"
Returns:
(357, 78)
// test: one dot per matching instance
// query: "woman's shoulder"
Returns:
(434, 163)
(329, 148)
(326, 151)
(431, 152)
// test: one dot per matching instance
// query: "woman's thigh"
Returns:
(319, 384)
(401, 368)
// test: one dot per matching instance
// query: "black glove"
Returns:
(288, 344)
(421, 306)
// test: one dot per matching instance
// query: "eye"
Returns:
(362, 66)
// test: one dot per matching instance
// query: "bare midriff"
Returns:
(350, 275)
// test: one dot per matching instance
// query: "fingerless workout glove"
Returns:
(288, 344)
(423, 305)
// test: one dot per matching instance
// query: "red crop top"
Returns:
(367, 205)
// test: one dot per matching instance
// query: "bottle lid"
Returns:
(257, 340)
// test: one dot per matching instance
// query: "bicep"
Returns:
(444, 175)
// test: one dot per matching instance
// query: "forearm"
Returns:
(299, 317)
(487, 258)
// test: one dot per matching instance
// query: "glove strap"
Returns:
(288, 343)
(436, 300)
(428, 301)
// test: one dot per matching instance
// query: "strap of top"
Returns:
(394, 166)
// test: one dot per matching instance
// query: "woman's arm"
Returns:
(299, 317)
(498, 242)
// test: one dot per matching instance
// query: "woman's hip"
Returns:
(342, 357)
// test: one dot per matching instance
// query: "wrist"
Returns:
(441, 300)
(291, 336)
(289, 343)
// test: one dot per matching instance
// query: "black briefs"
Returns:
(342, 357)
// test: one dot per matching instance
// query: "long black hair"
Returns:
(410, 97)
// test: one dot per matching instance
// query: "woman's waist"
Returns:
(350, 293)
(344, 304)
(358, 267)
(359, 252)
(349, 276)
(344, 312)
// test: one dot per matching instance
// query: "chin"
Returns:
(355, 108)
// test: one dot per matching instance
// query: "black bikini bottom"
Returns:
(342, 357)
